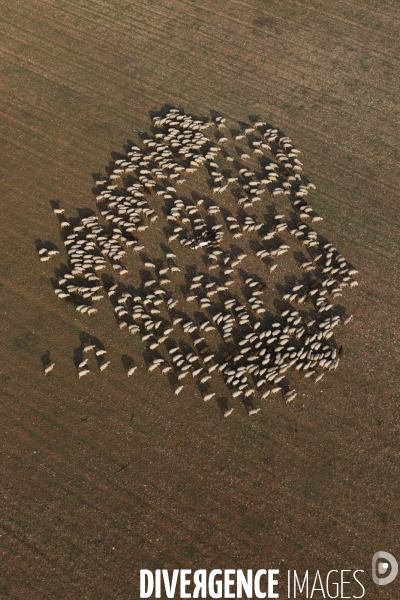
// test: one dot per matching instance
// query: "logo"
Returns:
(381, 561)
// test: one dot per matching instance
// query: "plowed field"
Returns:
(103, 476)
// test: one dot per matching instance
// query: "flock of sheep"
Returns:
(230, 333)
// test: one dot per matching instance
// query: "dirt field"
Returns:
(107, 475)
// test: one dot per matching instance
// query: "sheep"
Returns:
(89, 347)
(254, 411)
(289, 396)
(228, 412)
(265, 356)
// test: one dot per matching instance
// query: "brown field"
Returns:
(107, 475)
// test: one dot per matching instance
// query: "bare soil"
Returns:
(107, 475)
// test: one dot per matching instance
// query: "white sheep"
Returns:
(49, 368)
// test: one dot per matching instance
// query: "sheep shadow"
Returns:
(45, 359)
(224, 406)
